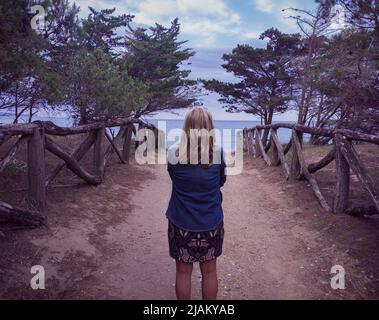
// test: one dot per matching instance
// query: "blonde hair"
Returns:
(197, 120)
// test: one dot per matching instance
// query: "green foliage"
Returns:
(20, 45)
(101, 89)
(99, 30)
(155, 56)
(265, 76)
(351, 80)
(89, 67)
(30, 78)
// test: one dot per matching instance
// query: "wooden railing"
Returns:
(343, 153)
(38, 136)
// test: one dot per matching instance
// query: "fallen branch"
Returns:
(362, 211)
(21, 217)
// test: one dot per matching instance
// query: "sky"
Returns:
(212, 28)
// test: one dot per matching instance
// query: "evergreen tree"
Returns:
(155, 57)
(265, 82)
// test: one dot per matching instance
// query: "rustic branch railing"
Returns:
(39, 138)
(343, 153)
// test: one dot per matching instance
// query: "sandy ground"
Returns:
(110, 241)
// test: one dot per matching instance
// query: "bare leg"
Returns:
(209, 284)
(183, 280)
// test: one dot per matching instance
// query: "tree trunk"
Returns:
(268, 121)
(16, 104)
(83, 115)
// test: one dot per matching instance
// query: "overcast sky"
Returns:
(212, 27)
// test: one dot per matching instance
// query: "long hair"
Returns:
(198, 138)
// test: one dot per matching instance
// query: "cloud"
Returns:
(274, 6)
(275, 9)
(217, 9)
(206, 64)
(251, 35)
(264, 5)
(203, 19)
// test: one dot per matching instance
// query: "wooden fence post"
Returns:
(262, 151)
(257, 147)
(36, 170)
(127, 142)
(99, 153)
(252, 144)
(246, 142)
(358, 168)
(341, 199)
(244, 135)
(282, 158)
(249, 142)
(275, 153)
(296, 145)
(295, 163)
(77, 154)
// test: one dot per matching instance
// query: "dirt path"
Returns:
(110, 242)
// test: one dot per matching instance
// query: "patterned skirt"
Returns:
(188, 246)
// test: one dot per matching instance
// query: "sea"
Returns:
(228, 128)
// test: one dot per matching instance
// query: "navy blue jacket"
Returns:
(195, 203)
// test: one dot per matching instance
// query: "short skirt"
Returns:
(189, 246)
